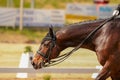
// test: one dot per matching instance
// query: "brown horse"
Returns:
(105, 42)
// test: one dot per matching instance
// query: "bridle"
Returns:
(63, 57)
(48, 53)
(46, 56)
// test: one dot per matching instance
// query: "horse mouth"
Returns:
(36, 66)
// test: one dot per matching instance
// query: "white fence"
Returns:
(49, 70)
(7, 17)
(56, 17)
(100, 11)
(32, 17)
(30, 72)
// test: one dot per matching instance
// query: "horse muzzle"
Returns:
(36, 64)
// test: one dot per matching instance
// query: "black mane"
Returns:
(47, 37)
(85, 22)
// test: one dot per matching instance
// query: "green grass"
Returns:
(30, 34)
(51, 3)
(3, 3)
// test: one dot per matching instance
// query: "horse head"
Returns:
(47, 50)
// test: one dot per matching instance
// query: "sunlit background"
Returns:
(23, 24)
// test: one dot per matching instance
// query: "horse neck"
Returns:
(75, 34)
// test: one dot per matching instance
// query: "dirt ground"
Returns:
(48, 76)
(15, 38)
(50, 79)
(43, 79)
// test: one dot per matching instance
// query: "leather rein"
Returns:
(63, 57)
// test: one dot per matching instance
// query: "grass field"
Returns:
(9, 35)
(10, 56)
(10, 53)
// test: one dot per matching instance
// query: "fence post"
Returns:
(30, 65)
(21, 15)
(25, 63)
(94, 75)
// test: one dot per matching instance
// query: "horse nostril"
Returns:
(31, 58)
(33, 63)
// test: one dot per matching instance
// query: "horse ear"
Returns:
(51, 32)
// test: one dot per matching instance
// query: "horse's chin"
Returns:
(37, 66)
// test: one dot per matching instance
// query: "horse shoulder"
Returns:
(107, 42)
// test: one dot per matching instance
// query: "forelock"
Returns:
(47, 37)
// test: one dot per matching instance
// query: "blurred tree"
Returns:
(3, 3)
(28, 49)
(50, 3)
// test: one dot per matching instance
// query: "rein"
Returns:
(63, 57)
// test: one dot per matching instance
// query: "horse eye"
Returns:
(46, 45)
